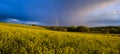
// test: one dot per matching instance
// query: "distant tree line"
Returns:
(71, 29)
(78, 29)
(107, 29)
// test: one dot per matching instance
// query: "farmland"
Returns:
(24, 39)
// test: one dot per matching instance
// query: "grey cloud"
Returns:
(105, 21)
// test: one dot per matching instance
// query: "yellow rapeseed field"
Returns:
(23, 39)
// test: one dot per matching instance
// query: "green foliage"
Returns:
(82, 29)
(33, 24)
(31, 40)
(62, 29)
(72, 28)
(113, 30)
(109, 29)
(58, 28)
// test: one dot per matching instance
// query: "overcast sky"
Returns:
(68, 12)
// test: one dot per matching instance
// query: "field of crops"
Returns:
(22, 39)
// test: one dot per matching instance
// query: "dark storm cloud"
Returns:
(79, 4)
(45, 11)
